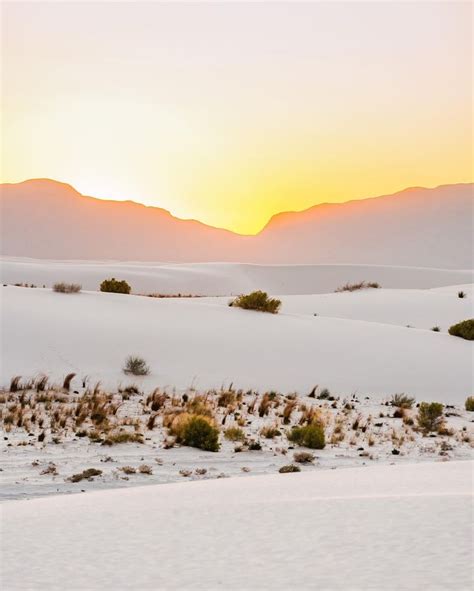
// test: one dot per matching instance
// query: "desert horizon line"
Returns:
(225, 229)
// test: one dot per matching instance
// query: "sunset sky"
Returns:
(231, 112)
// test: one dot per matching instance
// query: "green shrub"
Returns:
(115, 286)
(289, 468)
(136, 366)
(469, 404)
(311, 436)
(430, 416)
(257, 300)
(197, 431)
(464, 329)
(234, 434)
(67, 287)
(402, 401)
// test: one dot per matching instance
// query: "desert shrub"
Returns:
(234, 434)
(67, 287)
(402, 401)
(136, 366)
(196, 431)
(145, 469)
(289, 468)
(255, 446)
(123, 437)
(128, 469)
(436, 329)
(257, 300)
(469, 404)
(270, 432)
(325, 394)
(303, 457)
(115, 286)
(464, 329)
(311, 436)
(461, 294)
(357, 286)
(430, 416)
(85, 475)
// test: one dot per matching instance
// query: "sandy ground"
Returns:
(213, 279)
(385, 527)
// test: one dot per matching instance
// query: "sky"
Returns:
(231, 112)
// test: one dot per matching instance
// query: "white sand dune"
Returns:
(214, 279)
(385, 527)
(206, 344)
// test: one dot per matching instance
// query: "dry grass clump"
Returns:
(128, 470)
(123, 437)
(257, 300)
(402, 401)
(85, 475)
(136, 366)
(270, 431)
(303, 457)
(145, 469)
(67, 287)
(357, 286)
(289, 468)
(234, 434)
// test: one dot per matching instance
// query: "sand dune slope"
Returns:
(207, 344)
(384, 527)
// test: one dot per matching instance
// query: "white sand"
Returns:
(214, 279)
(206, 344)
(386, 527)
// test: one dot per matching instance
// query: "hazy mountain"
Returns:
(420, 227)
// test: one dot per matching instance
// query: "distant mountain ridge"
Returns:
(43, 218)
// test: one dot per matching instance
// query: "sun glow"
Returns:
(231, 113)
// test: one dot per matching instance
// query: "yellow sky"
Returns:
(229, 113)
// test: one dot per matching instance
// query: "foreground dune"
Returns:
(391, 527)
(213, 279)
(207, 344)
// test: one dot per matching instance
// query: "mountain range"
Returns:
(43, 218)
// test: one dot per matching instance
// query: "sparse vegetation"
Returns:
(303, 457)
(115, 286)
(136, 366)
(461, 294)
(464, 329)
(67, 287)
(436, 329)
(430, 416)
(257, 300)
(123, 437)
(469, 404)
(234, 434)
(357, 286)
(311, 436)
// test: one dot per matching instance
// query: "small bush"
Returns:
(461, 294)
(303, 457)
(430, 416)
(357, 286)
(255, 446)
(464, 329)
(234, 434)
(311, 436)
(469, 404)
(270, 432)
(115, 286)
(67, 287)
(257, 300)
(436, 329)
(402, 401)
(145, 469)
(196, 431)
(128, 469)
(289, 468)
(136, 366)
